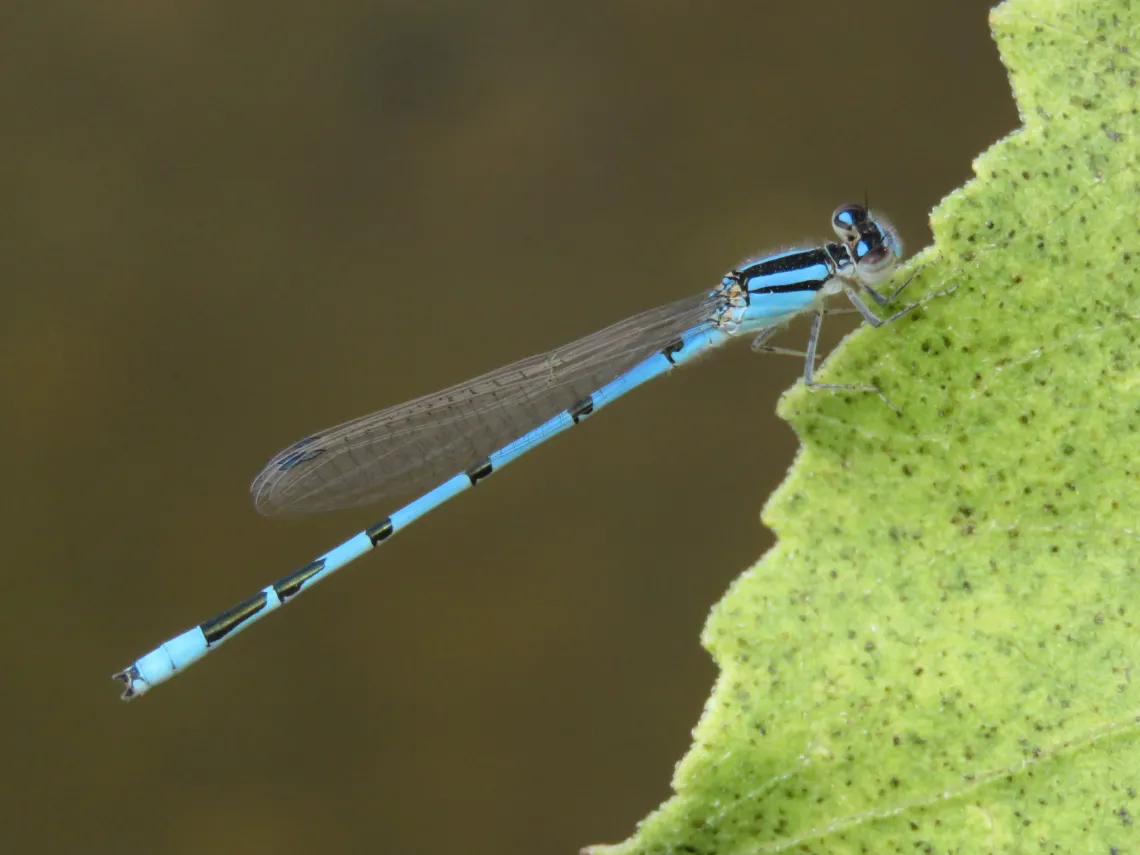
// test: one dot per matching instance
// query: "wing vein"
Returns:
(415, 445)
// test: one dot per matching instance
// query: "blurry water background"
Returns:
(225, 225)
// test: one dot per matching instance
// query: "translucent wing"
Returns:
(417, 445)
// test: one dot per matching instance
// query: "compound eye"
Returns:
(876, 252)
(850, 221)
(875, 261)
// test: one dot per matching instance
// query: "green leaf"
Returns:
(940, 653)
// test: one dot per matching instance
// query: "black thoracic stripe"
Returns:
(380, 531)
(670, 349)
(792, 265)
(806, 285)
(218, 628)
(479, 471)
(287, 586)
(582, 409)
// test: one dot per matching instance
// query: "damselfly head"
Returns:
(874, 244)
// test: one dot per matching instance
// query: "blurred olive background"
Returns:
(226, 225)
